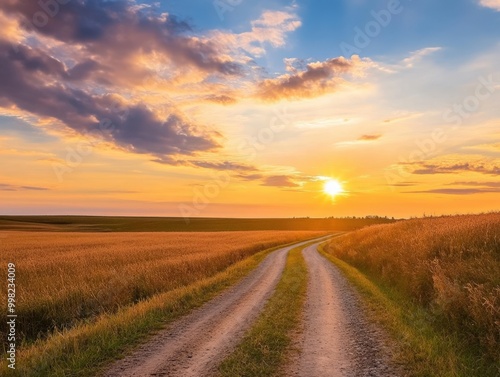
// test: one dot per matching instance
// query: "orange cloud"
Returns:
(279, 181)
(457, 168)
(493, 4)
(316, 79)
(369, 137)
(271, 28)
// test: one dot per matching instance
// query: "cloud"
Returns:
(134, 127)
(81, 65)
(243, 170)
(485, 147)
(399, 118)
(225, 165)
(363, 139)
(271, 29)
(417, 56)
(9, 187)
(279, 181)
(273, 26)
(316, 79)
(456, 191)
(426, 169)
(278, 177)
(405, 184)
(34, 82)
(221, 99)
(93, 47)
(250, 177)
(369, 137)
(294, 64)
(118, 31)
(471, 188)
(493, 4)
(75, 74)
(481, 184)
(274, 180)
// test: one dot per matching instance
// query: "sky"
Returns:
(238, 108)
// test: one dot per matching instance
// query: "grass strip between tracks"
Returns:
(266, 345)
(84, 350)
(418, 346)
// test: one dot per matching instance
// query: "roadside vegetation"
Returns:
(265, 347)
(435, 283)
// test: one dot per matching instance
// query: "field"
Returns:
(431, 288)
(177, 224)
(448, 266)
(66, 278)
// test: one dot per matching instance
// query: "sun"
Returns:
(333, 188)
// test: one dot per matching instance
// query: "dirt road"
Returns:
(336, 339)
(194, 345)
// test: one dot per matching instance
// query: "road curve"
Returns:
(336, 340)
(195, 344)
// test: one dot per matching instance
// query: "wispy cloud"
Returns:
(479, 184)
(493, 4)
(457, 191)
(225, 165)
(279, 181)
(9, 187)
(495, 147)
(270, 29)
(418, 55)
(457, 168)
(464, 188)
(369, 137)
(402, 117)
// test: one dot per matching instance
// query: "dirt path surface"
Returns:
(195, 344)
(336, 340)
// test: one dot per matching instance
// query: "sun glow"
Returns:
(333, 188)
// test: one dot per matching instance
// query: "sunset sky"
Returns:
(239, 108)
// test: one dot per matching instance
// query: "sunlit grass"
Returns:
(83, 349)
(448, 268)
(65, 278)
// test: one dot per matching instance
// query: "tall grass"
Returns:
(86, 349)
(66, 278)
(448, 265)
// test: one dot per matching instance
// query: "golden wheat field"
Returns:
(451, 265)
(64, 278)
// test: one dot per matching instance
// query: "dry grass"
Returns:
(65, 278)
(449, 265)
